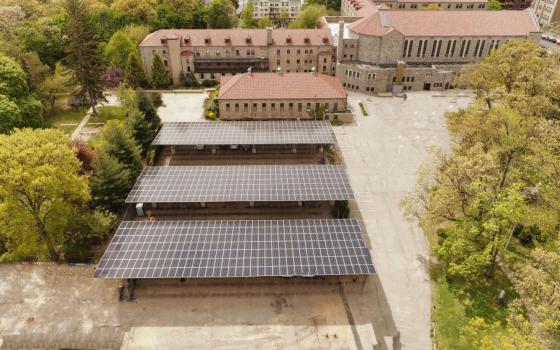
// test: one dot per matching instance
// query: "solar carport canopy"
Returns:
(241, 183)
(236, 248)
(282, 132)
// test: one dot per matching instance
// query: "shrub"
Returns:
(341, 210)
(209, 83)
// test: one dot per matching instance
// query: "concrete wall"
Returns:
(275, 109)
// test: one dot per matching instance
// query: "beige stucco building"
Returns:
(273, 8)
(547, 11)
(280, 96)
(212, 53)
(366, 7)
(394, 51)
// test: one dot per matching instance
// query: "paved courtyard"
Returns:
(56, 307)
(182, 107)
(383, 152)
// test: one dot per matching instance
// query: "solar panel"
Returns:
(282, 132)
(230, 248)
(241, 183)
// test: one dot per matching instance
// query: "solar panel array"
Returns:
(241, 183)
(282, 132)
(236, 248)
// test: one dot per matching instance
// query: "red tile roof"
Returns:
(449, 23)
(268, 86)
(239, 37)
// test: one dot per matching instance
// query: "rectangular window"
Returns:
(409, 53)
(299, 107)
(272, 107)
(476, 48)
(452, 53)
(237, 107)
(290, 107)
(405, 48)
(335, 107)
(246, 107)
(434, 47)
(227, 107)
(263, 106)
(481, 51)
(281, 107)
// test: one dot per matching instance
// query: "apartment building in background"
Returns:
(281, 96)
(212, 53)
(389, 50)
(547, 11)
(273, 8)
(366, 7)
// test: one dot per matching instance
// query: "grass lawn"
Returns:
(106, 113)
(65, 119)
(454, 304)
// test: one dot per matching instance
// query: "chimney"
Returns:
(340, 43)
(269, 36)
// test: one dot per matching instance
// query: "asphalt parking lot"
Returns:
(64, 307)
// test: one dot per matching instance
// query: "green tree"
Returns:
(141, 129)
(538, 279)
(140, 11)
(86, 228)
(479, 334)
(136, 33)
(40, 184)
(494, 5)
(176, 13)
(309, 16)
(18, 108)
(160, 76)
(110, 182)
(117, 141)
(134, 74)
(83, 58)
(283, 19)
(265, 22)
(146, 106)
(54, 84)
(118, 50)
(220, 14)
(10, 115)
(247, 17)
(520, 73)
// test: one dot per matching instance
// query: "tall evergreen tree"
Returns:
(110, 182)
(117, 141)
(134, 73)
(160, 76)
(141, 129)
(146, 106)
(83, 58)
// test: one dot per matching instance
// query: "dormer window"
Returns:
(163, 41)
(306, 40)
(248, 39)
(325, 40)
(187, 40)
(289, 39)
(227, 40)
(207, 40)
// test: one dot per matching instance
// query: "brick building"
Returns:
(211, 53)
(391, 50)
(280, 95)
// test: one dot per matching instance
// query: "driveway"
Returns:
(182, 107)
(383, 152)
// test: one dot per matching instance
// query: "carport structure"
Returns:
(236, 248)
(193, 143)
(240, 190)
